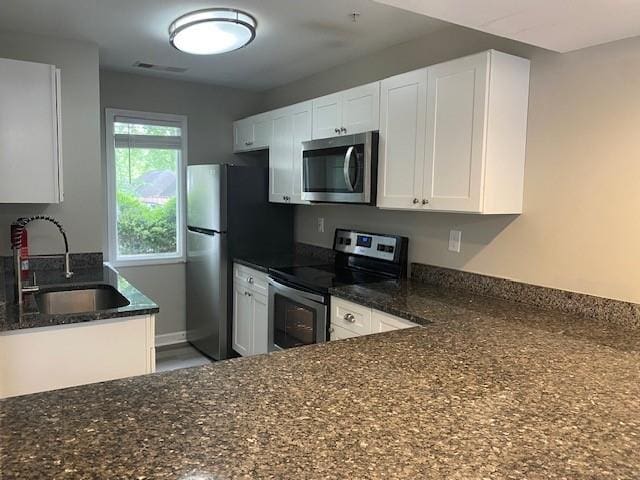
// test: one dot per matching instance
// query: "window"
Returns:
(146, 155)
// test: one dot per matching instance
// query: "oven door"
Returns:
(339, 169)
(296, 317)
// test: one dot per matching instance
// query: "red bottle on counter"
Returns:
(24, 250)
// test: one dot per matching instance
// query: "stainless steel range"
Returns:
(299, 296)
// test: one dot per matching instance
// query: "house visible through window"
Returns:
(146, 176)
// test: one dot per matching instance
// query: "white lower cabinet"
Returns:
(350, 319)
(250, 313)
(47, 358)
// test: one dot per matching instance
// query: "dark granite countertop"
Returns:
(486, 389)
(14, 317)
(427, 304)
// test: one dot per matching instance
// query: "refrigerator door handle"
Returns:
(204, 231)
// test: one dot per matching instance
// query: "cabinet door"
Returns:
(260, 339)
(301, 133)
(242, 321)
(402, 129)
(382, 322)
(281, 157)
(47, 358)
(243, 135)
(456, 101)
(339, 333)
(327, 116)
(262, 131)
(30, 150)
(361, 109)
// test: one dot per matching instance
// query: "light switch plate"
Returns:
(320, 225)
(455, 238)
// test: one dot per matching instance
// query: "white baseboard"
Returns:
(171, 338)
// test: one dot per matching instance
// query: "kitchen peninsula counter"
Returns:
(485, 389)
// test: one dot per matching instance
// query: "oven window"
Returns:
(324, 170)
(294, 324)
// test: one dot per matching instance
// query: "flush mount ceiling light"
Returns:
(212, 31)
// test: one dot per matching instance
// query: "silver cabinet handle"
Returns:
(416, 201)
(248, 143)
(349, 318)
(337, 130)
(343, 130)
(247, 294)
(425, 201)
(331, 329)
(250, 279)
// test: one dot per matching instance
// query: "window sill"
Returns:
(147, 262)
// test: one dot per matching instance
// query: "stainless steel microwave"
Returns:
(341, 169)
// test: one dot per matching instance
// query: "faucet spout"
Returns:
(16, 243)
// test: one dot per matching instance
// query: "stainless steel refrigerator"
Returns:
(228, 215)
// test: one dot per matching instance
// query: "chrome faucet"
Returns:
(16, 243)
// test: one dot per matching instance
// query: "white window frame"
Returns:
(147, 259)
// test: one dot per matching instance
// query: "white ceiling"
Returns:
(560, 25)
(295, 38)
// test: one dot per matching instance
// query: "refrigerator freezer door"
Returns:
(206, 197)
(207, 325)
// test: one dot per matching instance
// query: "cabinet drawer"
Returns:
(251, 279)
(350, 316)
(339, 333)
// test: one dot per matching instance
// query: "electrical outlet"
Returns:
(320, 225)
(455, 238)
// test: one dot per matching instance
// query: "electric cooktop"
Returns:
(320, 278)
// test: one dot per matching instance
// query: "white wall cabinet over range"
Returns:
(47, 358)
(453, 136)
(350, 319)
(253, 133)
(30, 133)
(250, 313)
(348, 112)
(291, 127)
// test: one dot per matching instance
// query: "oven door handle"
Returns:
(296, 293)
(347, 165)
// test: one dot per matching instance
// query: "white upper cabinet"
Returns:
(345, 113)
(327, 116)
(361, 109)
(291, 127)
(452, 135)
(30, 133)
(456, 113)
(253, 133)
(402, 131)
(474, 139)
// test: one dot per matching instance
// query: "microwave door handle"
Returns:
(347, 166)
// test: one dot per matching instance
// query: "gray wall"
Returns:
(82, 211)
(580, 224)
(210, 113)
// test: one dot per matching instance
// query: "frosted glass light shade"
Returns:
(212, 31)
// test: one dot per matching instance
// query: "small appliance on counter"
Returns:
(299, 296)
(228, 215)
(341, 169)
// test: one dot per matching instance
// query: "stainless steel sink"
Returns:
(102, 297)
